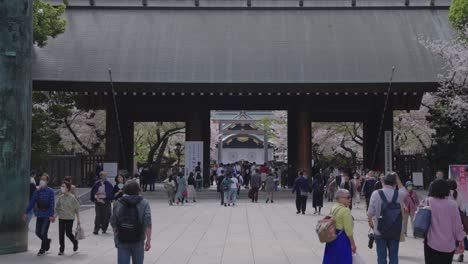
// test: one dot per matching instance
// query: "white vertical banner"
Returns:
(193, 155)
(388, 150)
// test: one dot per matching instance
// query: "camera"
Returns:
(371, 240)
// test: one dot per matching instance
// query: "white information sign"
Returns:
(193, 155)
(388, 149)
(418, 179)
(112, 169)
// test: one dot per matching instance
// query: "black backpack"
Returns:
(390, 219)
(129, 226)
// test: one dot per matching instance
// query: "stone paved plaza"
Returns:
(207, 233)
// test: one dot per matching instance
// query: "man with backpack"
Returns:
(385, 218)
(368, 187)
(131, 222)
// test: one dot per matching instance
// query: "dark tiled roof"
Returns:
(243, 46)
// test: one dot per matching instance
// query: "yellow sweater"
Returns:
(344, 219)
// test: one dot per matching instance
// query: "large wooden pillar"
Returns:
(15, 122)
(299, 140)
(304, 138)
(197, 128)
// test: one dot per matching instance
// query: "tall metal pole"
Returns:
(15, 122)
(119, 127)
(384, 112)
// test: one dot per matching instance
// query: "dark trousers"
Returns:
(301, 203)
(432, 256)
(221, 192)
(42, 228)
(367, 202)
(254, 194)
(65, 227)
(103, 214)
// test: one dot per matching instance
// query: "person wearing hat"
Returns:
(386, 246)
(410, 205)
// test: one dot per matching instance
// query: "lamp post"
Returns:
(177, 149)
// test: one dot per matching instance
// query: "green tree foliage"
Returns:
(47, 21)
(458, 15)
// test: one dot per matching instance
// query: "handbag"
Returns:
(422, 221)
(357, 259)
(79, 233)
(250, 193)
(184, 193)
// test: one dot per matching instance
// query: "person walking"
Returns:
(317, 193)
(198, 182)
(67, 208)
(44, 200)
(255, 184)
(446, 229)
(73, 187)
(331, 188)
(270, 187)
(118, 187)
(357, 194)
(410, 205)
(219, 186)
(453, 186)
(226, 187)
(387, 202)
(131, 222)
(348, 185)
(191, 193)
(301, 189)
(170, 187)
(235, 184)
(368, 187)
(181, 188)
(341, 250)
(102, 194)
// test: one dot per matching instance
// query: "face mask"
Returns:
(410, 188)
(103, 178)
(62, 189)
(42, 184)
(120, 185)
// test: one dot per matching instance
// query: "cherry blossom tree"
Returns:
(279, 134)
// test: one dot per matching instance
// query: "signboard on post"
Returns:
(459, 174)
(112, 169)
(388, 150)
(193, 155)
(418, 179)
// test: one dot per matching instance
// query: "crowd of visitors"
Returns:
(390, 205)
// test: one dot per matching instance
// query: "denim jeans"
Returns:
(134, 251)
(42, 228)
(383, 246)
(233, 195)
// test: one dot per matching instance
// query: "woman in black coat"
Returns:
(318, 190)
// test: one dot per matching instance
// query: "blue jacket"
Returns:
(301, 185)
(45, 201)
(109, 191)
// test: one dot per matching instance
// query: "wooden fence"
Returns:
(80, 167)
